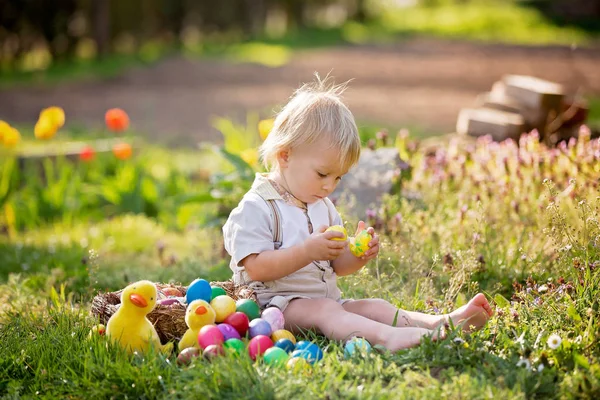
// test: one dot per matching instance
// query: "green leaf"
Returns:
(572, 312)
(54, 297)
(581, 360)
(501, 301)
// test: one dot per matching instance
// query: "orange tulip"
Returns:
(116, 120)
(87, 154)
(122, 151)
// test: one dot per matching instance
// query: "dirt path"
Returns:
(421, 82)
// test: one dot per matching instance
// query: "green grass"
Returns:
(465, 221)
(494, 21)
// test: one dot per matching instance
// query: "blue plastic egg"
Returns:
(356, 346)
(199, 289)
(314, 352)
(301, 353)
(285, 344)
(301, 345)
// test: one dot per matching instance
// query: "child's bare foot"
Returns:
(404, 338)
(473, 314)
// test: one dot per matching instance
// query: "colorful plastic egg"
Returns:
(301, 345)
(209, 334)
(239, 321)
(360, 244)
(99, 330)
(224, 306)
(285, 344)
(275, 356)
(212, 351)
(338, 228)
(234, 346)
(217, 291)
(228, 331)
(297, 364)
(248, 307)
(198, 289)
(259, 326)
(274, 317)
(283, 334)
(258, 345)
(356, 346)
(187, 355)
(315, 353)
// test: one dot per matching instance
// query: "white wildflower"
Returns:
(458, 340)
(540, 368)
(523, 362)
(554, 341)
(543, 288)
(521, 339)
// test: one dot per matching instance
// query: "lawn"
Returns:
(519, 223)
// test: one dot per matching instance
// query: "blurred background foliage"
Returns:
(36, 34)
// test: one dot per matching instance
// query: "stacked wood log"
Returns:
(518, 104)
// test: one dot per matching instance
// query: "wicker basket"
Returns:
(169, 321)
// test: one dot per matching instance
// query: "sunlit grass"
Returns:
(495, 21)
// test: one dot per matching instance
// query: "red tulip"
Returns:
(116, 120)
(87, 154)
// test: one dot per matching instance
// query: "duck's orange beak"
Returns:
(201, 310)
(138, 300)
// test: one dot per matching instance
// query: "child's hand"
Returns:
(319, 245)
(373, 244)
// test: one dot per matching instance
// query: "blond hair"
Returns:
(315, 111)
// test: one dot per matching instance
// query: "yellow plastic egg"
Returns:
(298, 364)
(360, 244)
(224, 306)
(283, 334)
(338, 228)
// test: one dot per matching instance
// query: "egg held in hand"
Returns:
(360, 244)
(338, 228)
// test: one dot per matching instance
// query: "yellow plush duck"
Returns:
(197, 314)
(129, 325)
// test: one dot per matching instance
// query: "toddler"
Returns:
(277, 241)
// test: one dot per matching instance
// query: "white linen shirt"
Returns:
(249, 230)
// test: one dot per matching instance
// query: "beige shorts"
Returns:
(282, 302)
(315, 281)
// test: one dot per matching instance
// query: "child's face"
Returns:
(311, 171)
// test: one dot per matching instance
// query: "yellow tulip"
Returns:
(4, 127)
(45, 129)
(55, 115)
(264, 127)
(11, 137)
(250, 156)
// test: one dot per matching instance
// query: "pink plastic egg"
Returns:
(274, 317)
(214, 350)
(187, 355)
(210, 334)
(258, 345)
(228, 331)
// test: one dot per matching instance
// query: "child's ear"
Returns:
(283, 158)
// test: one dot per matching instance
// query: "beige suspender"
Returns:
(277, 236)
(277, 222)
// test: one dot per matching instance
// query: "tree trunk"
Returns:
(101, 26)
